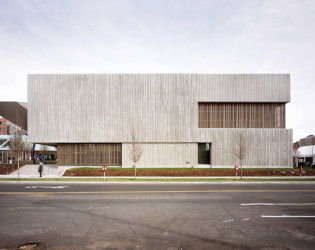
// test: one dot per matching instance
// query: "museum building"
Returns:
(181, 120)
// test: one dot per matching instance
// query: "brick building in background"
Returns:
(4, 126)
(307, 141)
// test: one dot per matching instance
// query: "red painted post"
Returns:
(236, 170)
(104, 170)
(300, 167)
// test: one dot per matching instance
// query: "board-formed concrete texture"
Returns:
(163, 109)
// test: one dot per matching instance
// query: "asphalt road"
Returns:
(158, 216)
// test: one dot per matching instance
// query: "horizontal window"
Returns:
(89, 154)
(241, 115)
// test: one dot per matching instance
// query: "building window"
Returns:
(204, 153)
(89, 154)
(241, 115)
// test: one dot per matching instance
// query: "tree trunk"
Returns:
(241, 171)
(135, 172)
(18, 168)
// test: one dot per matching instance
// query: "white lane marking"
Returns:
(288, 216)
(47, 187)
(228, 220)
(277, 204)
(245, 219)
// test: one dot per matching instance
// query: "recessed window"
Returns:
(90, 154)
(241, 115)
(204, 153)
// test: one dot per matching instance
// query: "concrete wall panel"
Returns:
(265, 147)
(163, 155)
(78, 108)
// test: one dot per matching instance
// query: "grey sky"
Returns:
(172, 36)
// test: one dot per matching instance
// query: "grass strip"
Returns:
(153, 180)
(185, 169)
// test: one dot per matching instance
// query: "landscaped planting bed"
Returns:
(184, 172)
(8, 169)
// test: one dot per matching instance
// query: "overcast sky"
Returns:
(171, 36)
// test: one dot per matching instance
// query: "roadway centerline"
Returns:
(161, 191)
(277, 204)
(288, 216)
(57, 187)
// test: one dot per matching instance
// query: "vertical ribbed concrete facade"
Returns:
(163, 108)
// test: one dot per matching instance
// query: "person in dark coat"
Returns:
(40, 169)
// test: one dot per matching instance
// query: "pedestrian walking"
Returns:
(40, 169)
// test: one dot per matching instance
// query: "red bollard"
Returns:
(236, 170)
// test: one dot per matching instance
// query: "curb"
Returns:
(157, 177)
(157, 182)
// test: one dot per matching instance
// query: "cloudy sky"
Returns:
(162, 36)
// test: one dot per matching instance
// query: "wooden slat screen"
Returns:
(89, 154)
(241, 115)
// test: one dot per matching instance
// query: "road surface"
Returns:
(158, 216)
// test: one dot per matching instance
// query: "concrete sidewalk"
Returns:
(31, 171)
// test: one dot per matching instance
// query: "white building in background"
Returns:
(307, 152)
(182, 120)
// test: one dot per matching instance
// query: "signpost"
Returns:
(104, 170)
(236, 170)
(300, 167)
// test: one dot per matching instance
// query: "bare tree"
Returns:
(241, 148)
(17, 143)
(135, 149)
(28, 149)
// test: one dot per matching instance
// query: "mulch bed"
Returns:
(186, 172)
(8, 169)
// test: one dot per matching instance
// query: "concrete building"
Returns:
(182, 120)
(307, 141)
